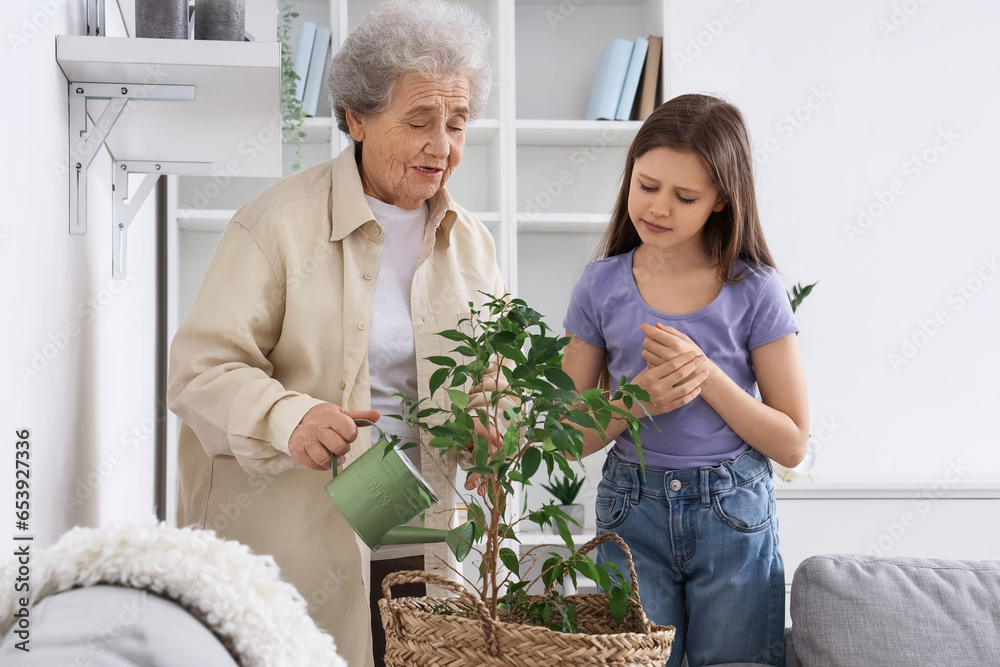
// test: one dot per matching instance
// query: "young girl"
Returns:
(687, 304)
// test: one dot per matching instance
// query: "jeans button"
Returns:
(675, 485)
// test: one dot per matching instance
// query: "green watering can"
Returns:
(381, 492)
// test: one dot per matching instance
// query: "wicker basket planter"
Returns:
(417, 633)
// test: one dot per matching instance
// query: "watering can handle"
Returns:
(359, 423)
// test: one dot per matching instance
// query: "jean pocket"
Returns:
(611, 506)
(748, 508)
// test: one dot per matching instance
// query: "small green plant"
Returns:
(565, 489)
(506, 346)
(799, 294)
(292, 116)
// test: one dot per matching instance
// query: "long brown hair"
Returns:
(716, 132)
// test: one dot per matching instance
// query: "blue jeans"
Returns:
(705, 546)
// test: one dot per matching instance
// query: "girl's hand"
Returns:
(673, 383)
(664, 343)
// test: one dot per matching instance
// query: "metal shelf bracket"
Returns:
(84, 143)
(125, 207)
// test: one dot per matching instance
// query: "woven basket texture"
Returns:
(417, 633)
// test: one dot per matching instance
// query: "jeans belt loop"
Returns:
(706, 496)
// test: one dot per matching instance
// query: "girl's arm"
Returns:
(778, 425)
(670, 385)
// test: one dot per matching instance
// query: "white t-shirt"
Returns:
(392, 359)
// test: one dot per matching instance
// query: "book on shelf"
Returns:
(302, 55)
(317, 66)
(649, 96)
(609, 80)
(632, 76)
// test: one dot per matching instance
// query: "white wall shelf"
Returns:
(803, 488)
(204, 220)
(233, 117)
(562, 223)
(596, 133)
(481, 132)
(318, 129)
(215, 219)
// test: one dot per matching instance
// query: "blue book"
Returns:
(302, 56)
(314, 79)
(610, 80)
(632, 79)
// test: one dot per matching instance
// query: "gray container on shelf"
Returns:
(161, 19)
(222, 20)
(575, 511)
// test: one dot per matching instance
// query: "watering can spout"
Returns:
(459, 539)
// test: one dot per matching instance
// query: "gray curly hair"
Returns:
(399, 37)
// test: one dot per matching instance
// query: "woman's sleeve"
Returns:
(773, 317)
(219, 381)
(581, 316)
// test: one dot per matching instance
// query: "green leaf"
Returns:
(582, 418)
(442, 361)
(455, 335)
(530, 461)
(560, 379)
(437, 379)
(458, 398)
(564, 533)
(618, 600)
(510, 561)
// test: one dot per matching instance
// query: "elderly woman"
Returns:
(323, 299)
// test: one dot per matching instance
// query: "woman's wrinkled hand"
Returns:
(326, 429)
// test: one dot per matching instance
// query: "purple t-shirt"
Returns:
(606, 310)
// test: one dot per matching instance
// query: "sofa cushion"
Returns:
(110, 626)
(906, 612)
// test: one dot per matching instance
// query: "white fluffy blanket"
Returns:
(240, 596)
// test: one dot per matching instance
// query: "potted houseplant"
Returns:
(506, 345)
(565, 491)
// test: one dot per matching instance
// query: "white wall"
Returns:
(78, 347)
(886, 86)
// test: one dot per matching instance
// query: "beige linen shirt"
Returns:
(279, 325)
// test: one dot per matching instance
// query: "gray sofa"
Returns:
(860, 611)
(110, 626)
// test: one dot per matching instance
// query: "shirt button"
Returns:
(343, 385)
(369, 275)
(362, 326)
(675, 485)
